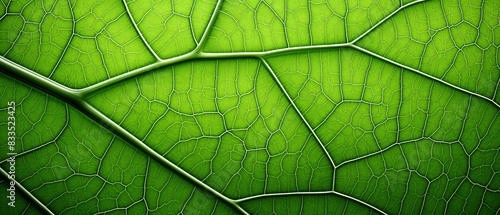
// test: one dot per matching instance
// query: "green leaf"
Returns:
(250, 107)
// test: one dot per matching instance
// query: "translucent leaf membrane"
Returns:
(86, 169)
(455, 41)
(238, 132)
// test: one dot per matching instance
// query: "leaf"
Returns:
(253, 107)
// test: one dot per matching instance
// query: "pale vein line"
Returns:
(53, 141)
(73, 26)
(26, 192)
(209, 27)
(385, 19)
(424, 74)
(139, 32)
(149, 68)
(117, 129)
(298, 111)
(283, 194)
(271, 52)
(160, 63)
(359, 201)
(312, 193)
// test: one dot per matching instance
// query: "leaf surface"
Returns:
(251, 107)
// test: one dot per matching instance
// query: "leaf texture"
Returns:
(251, 107)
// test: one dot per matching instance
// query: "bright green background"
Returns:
(256, 107)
